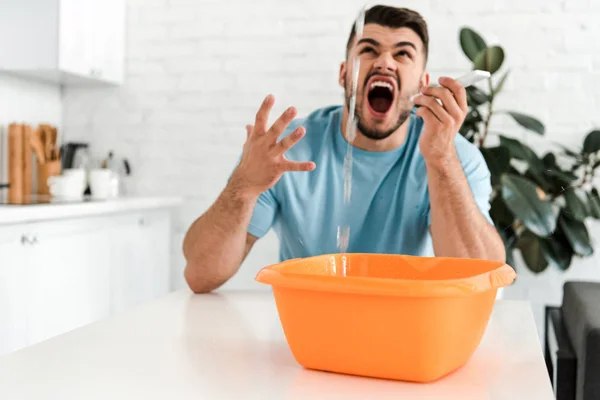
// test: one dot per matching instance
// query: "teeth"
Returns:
(381, 84)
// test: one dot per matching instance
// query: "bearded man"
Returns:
(418, 187)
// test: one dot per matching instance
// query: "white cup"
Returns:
(76, 173)
(66, 186)
(100, 183)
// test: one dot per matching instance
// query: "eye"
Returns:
(403, 53)
(368, 50)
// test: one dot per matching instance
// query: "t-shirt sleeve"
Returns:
(478, 176)
(264, 214)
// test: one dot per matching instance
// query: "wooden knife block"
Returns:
(20, 171)
(21, 147)
(16, 145)
(45, 171)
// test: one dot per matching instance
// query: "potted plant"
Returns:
(539, 204)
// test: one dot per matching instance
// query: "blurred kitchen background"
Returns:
(168, 85)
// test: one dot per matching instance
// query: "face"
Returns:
(392, 69)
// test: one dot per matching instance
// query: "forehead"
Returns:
(388, 37)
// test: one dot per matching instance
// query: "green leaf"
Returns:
(522, 152)
(471, 43)
(568, 151)
(557, 252)
(509, 238)
(531, 250)
(554, 174)
(575, 204)
(523, 200)
(466, 128)
(591, 144)
(536, 169)
(576, 167)
(476, 97)
(512, 170)
(474, 116)
(577, 235)
(594, 203)
(528, 122)
(497, 160)
(500, 84)
(562, 177)
(537, 176)
(471, 124)
(501, 214)
(549, 160)
(490, 59)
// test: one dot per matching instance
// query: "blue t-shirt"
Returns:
(389, 211)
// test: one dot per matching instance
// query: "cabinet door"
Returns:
(76, 37)
(69, 277)
(109, 40)
(130, 279)
(154, 242)
(13, 291)
(140, 252)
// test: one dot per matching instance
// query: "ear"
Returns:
(342, 76)
(425, 79)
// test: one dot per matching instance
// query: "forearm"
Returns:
(458, 228)
(215, 245)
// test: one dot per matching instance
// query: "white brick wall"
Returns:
(197, 71)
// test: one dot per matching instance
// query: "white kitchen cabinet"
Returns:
(13, 295)
(64, 41)
(61, 274)
(69, 277)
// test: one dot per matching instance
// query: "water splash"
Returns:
(343, 233)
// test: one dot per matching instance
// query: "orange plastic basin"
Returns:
(386, 316)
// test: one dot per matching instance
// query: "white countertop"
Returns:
(11, 214)
(231, 346)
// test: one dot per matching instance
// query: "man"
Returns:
(418, 187)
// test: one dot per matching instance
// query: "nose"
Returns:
(385, 63)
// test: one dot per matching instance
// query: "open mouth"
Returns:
(380, 96)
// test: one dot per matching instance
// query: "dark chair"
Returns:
(572, 342)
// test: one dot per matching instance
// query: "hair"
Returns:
(394, 17)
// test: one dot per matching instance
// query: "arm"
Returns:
(217, 242)
(458, 228)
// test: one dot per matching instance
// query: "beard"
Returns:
(373, 132)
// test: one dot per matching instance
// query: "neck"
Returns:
(394, 141)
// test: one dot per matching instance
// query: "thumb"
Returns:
(249, 129)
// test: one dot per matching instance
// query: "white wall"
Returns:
(25, 101)
(197, 71)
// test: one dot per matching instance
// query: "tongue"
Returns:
(381, 104)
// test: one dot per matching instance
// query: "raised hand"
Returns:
(263, 160)
(441, 121)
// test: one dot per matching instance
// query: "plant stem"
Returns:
(489, 116)
(588, 175)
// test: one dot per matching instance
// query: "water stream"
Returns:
(343, 233)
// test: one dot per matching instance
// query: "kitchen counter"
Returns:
(231, 346)
(10, 214)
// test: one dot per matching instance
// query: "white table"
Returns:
(231, 346)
